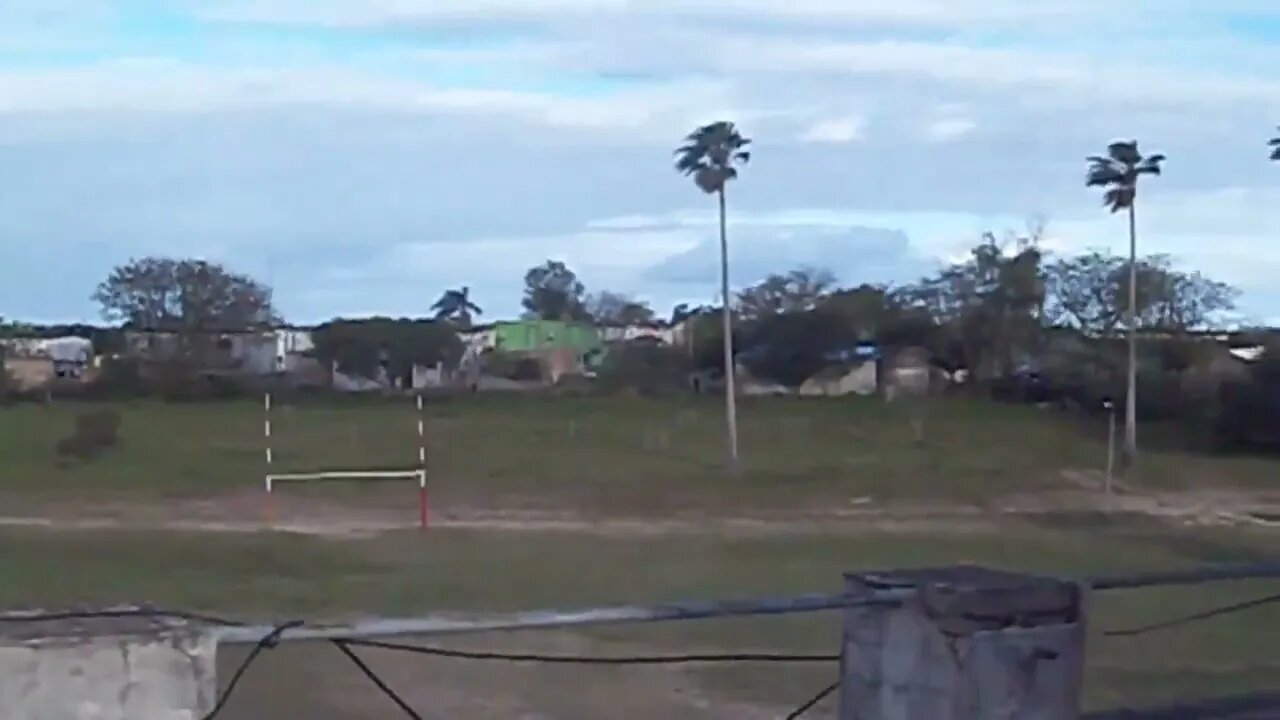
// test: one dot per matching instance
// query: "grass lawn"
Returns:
(600, 457)
(275, 575)
(609, 455)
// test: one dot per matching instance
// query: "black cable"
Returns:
(269, 640)
(373, 677)
(590, 659)
(1194, 617)
(808, 705)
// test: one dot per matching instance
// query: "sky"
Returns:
(361, 156)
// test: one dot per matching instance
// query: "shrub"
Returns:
(93, 433)
(120, 378)
(644, 367)
(512, 366)
(1247, 414)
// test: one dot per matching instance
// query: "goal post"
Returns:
(272, 479)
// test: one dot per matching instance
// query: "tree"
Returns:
(193, 299)
(987, 309)
(1117, 173)
(1274, 143)
(611, 308)
(552, 292)
(167, 294)
(369, 347)
(789, 348)
(456, 305)
(684, 311)
(710, 155)
(796, 291)
(1085, 291)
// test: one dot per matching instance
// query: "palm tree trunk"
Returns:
(1131, 390)
(730, 372)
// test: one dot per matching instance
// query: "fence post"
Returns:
(969, 643)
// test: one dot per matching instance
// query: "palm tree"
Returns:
(1275, 146)
(709, 154)
(456, 305)
(1118, 172)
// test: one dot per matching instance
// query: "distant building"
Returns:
(66, 357)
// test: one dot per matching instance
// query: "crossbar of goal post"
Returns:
(418, 474)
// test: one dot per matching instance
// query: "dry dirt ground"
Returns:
(247, 512)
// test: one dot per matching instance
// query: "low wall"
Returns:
(138, 670)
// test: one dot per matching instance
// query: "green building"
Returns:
(561, 346)
(543, 335)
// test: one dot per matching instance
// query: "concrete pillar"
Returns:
(969, 643)
(106, 669)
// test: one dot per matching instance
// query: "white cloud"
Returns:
(835, 131)
(1054, 74)
(949, 129)
(162, 86)
(922, 13)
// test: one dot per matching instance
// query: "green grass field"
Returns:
(278, 576)
(631, 456)
(599, 458)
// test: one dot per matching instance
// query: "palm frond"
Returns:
(1103, 175)
(1118, 198)
(1125, 151)
(1147, 168)
(709, 154)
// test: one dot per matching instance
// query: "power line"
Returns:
(268, 641)
(596, 659)
(373, 677)
(1195, 617)
(808, 704)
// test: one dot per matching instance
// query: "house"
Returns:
(854, 371)
(657, 332)
(560, 347)
(281, 350)
(33, 362)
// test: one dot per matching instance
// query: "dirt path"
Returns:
(243, 513)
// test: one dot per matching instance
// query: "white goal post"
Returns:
(271, 480)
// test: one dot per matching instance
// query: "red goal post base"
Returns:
(271, 480)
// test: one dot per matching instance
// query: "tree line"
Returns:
(983, 314)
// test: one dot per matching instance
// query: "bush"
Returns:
(644, 367)
(512, 366)
(93, 433)
(1247, 414)
(120, 378)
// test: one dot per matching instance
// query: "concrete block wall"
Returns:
(153, 674)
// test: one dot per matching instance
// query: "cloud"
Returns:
(836, 131)
(855, 254)
(894, 13)
(151, 87)
(949, 129)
